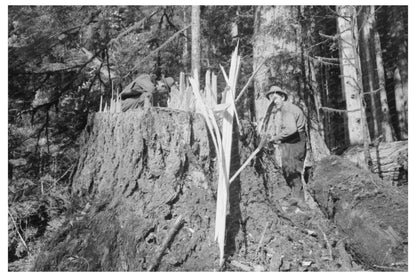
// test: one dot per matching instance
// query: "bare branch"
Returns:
(17, 230)
(327, 109)
(174, 229)
(317, 44)
(249, 80)
(329, 37)
(323, 60)
(138, 64)
(260, 244)
(60, 67)
(329, 247)
(133, 27)
(372, 92)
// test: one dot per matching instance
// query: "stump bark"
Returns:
(138, 172)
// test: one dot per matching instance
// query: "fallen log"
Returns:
(370, 213)
(389, 160)
(241, 266)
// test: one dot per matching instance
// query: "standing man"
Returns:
(287, 130)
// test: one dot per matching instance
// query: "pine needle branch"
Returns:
(17, 230)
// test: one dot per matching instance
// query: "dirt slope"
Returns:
(371, 213)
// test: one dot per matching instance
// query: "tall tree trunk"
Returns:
(350, 69)
(386, 126)
(185, 51)
(401, 103)
(329, 135)
(276, 40)
(399, 29)
(263, 48)
(311, 73)
(316, 128)
(366, 42)
(196, 39)
(311, 93)
(402, 62)
(234, 25)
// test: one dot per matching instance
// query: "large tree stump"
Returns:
(372, 214)
(141, 172)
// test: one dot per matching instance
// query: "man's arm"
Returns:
(287, 128)
(140, 85)
(131, 93)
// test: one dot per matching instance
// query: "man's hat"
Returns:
(276, 89)
(169, 81)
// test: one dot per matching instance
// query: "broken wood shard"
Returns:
(222, 142)
(262, 131)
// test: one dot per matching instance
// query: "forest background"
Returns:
(60, 61)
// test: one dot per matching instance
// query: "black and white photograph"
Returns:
(207, 138)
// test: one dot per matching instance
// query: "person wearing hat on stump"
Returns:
(287, 131)
(142, 92)
(138, 93)
(163, 87)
